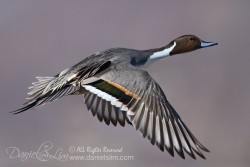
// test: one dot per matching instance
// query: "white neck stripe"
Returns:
(163, 53)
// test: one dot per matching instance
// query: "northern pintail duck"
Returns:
(117, 89)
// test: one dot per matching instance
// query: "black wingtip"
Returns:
(170, 151)
(180, 153)
(160, 146)
(190, 153)
(199, 154)
(202, 156)
(203, 147)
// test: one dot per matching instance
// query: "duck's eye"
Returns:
(191, 39)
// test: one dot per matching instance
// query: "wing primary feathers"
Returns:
(159, 134)
(193, 139)
(167, 137)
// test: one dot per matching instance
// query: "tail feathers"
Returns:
(39, 96)
(35, 94)
(37, 88)
(27, 107)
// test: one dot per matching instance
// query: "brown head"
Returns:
(188, 43)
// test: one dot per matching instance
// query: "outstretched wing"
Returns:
(143, 103)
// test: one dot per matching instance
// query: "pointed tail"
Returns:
(36, 93)
(47, 89)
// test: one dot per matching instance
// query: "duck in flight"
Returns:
(117, 89)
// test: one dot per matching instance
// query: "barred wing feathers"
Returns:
(141, 102)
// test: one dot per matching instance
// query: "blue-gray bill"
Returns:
(207, 44)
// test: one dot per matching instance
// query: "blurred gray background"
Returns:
(209, 87)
